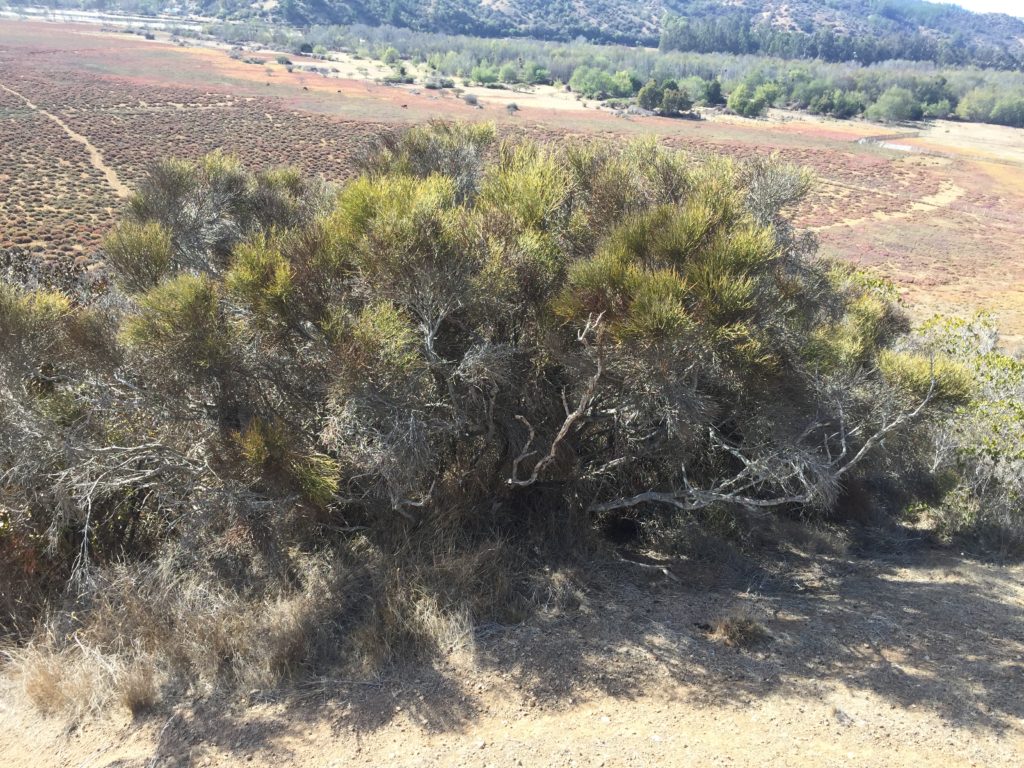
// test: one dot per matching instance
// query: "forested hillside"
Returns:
(833, 30)
(845, 30)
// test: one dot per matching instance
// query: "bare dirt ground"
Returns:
(907, 660)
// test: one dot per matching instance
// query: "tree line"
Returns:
(867, 31)
(886, 91)
(739, 33)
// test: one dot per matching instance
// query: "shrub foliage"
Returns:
(408, 389)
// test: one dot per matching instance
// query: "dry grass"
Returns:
(186, 625)
(427, 595)
(741, 632)
(186, 632)
(80, 681)
(138, 688)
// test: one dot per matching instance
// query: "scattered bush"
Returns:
(674, 101)
(740, 632)
(977, 452)
(436, 84)
(650, 96)
(838, 103)
(749, 101)
(894, 106)
(596, 83)
(940, 110)
(713, 93)
(485, 74)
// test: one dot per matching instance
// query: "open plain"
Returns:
(83, 110)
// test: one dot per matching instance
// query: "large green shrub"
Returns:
(895, 105)
(472, 347)
(977, 105)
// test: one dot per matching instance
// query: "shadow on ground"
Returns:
(924, 628)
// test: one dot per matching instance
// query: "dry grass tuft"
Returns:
(740, 632)
(42, 676)
(197, 627)
(138, 688)
(80, 681)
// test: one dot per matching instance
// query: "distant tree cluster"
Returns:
(866, 31)
(667, 97)
(888, 92)
(987, 105)
(890, 35)
(750, 101)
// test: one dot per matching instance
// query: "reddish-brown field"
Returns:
(944, 221)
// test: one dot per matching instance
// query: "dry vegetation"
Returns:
(54, 203)
(309, 429)
(740, 632)
(261, 466)
(867, 207)
(57, 205)
(627, 677)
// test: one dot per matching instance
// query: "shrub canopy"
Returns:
(488, 341)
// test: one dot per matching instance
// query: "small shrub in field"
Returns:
(740, 632)
(895, 105)
(748, 102)
(80, 681)
(432, 84)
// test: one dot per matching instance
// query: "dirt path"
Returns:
(913, 661)
(948, 194)
(95, 156)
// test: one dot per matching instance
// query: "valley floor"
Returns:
(912, 659)
(934, 207)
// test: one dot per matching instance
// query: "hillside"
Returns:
(835, 30)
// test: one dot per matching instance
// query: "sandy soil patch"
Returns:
(984, 142)
(912, 661)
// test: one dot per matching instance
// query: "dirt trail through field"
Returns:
(95, 156)
(944, 198)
